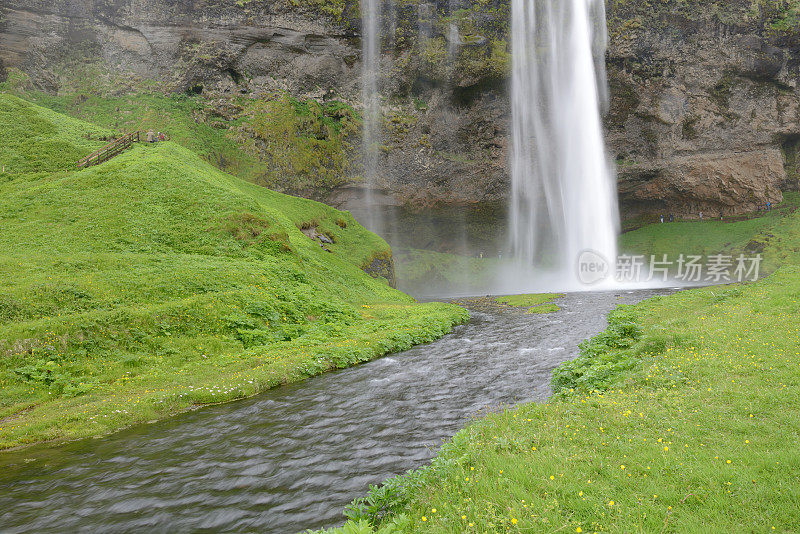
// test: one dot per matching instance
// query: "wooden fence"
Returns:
(109, 151)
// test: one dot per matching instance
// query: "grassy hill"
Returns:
(181, 116)
(274, 140)
(154, 282)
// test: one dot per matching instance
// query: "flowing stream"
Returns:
(293, 457)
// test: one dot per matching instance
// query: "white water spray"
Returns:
(563, 186)
(453, 40)
(370, 94)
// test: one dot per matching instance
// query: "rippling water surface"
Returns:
(293, 457)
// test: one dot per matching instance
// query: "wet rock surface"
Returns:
(704, 111)
(381, 267)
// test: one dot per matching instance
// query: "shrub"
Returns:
(603, 357)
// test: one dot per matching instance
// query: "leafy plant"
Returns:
(603, 357)
(387, 500)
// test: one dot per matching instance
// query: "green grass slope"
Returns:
(177, 115)
(712, 236)
(154, 282)
(272, 140)
(36, 139)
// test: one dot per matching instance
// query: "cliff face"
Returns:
(704, 112)
(189, 45)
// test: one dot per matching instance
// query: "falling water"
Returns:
(453, 36)
(370, 49)
(563, 186)
(453, 40)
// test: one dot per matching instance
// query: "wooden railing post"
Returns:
(110, 150)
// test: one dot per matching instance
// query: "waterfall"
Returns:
(563, 185)
(370, 95)
(453, 40)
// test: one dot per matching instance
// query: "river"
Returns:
(293, 457)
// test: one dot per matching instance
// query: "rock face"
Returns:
(704, 116)
(382, 267)
(704, 112)
(713, 184)
(190, 45)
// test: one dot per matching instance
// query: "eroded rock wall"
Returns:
(705, 109)
(704, 112)
(215, 46)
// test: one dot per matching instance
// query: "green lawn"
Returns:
(154, 282)
(711, 236)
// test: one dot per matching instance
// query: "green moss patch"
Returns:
(537, 302)
(544, 308)
(306, 145)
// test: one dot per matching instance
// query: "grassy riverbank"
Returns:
(734, 236)
(154, 282)
(682, 417)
